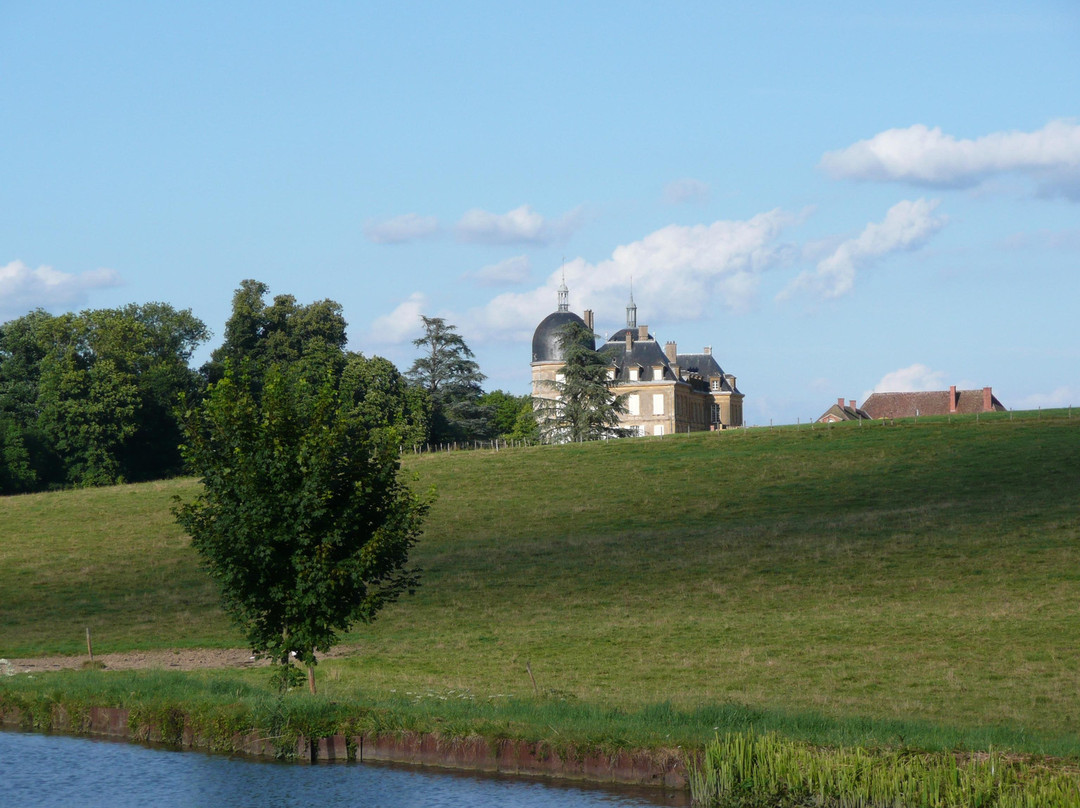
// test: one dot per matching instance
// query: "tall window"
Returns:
(633, 404)
(658, 403)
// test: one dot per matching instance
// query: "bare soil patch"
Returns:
(178, 659)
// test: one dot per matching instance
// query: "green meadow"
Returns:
(907, 584)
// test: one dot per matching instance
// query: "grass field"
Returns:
(890, 583)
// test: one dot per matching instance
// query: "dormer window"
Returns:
(634, 374)
(715, 384)
(658, 373)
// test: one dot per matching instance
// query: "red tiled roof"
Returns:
(931, 402)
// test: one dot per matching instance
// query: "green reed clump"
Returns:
(751, 769)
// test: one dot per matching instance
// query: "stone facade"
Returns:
(665, 391)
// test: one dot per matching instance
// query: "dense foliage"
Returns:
(88, 398)
(302, 519)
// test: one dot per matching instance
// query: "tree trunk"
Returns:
(311, 678)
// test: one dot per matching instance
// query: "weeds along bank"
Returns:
(735, 769)
(903, 586)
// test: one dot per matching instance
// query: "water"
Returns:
(56, 770)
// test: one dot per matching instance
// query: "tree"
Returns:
(512, 417)
(447, 371)
(303, 519)
(584, 406)
(92, 395)
(384, 400)
(311, 337)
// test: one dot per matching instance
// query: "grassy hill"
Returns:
(921, 572)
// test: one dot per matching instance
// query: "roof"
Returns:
(706, 366)
(545, 344)
(845, 413)
(645, 353)
(930, 402)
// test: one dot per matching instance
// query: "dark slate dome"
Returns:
(545, 346)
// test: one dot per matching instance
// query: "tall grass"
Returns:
(766, 769)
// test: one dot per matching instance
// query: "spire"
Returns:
(631, 308)
(564, 295)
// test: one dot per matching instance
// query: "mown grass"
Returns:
(893, 584)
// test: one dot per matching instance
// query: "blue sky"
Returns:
(837, 197)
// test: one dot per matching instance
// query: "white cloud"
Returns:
(1061, 397)
(23, 289)
(678, 272)
(402, 324)
(512, 270)
(402, 229)
(686, 191)
(521, 225)
(912, 379)
(924, 156)
(906, 226)
(1068, 239)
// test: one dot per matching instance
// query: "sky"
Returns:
(838, 198)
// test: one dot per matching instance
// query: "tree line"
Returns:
(93, 398)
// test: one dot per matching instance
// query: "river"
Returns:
(59, 770)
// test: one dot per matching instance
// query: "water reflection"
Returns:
(53, 770)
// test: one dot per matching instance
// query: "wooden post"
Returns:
(528, 667)
(89, 645)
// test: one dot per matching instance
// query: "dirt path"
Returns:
(184, 660)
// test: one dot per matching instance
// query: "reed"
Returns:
(751, 769)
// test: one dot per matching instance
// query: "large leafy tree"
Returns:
(584, 406)
(447, 371)
(303, 519)
(308, 337)
(385, 400)
(91, 395)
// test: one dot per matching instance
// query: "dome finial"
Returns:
(631, 307)
(564, 293)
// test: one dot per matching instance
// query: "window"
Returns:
(634, 374)
(633, 404)
(658, 374)
(658, 404)
(658, 429)
(715, 384)
(560, 378)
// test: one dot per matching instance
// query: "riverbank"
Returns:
(663, 769)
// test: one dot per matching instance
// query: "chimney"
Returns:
(853, 405)
(671, 352)
(840, 403)
(642, 332)
(952, 398)
(629, 340)
(708, 350)
(988, 400)
(588, 319)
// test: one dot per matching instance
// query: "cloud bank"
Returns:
(521, 225)
(923, 156)
(402, 229)
(686, 191)
(678, 272)
(915, 378)
(906, 226)
(512, 270)
(400, 325)
(23, 289)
